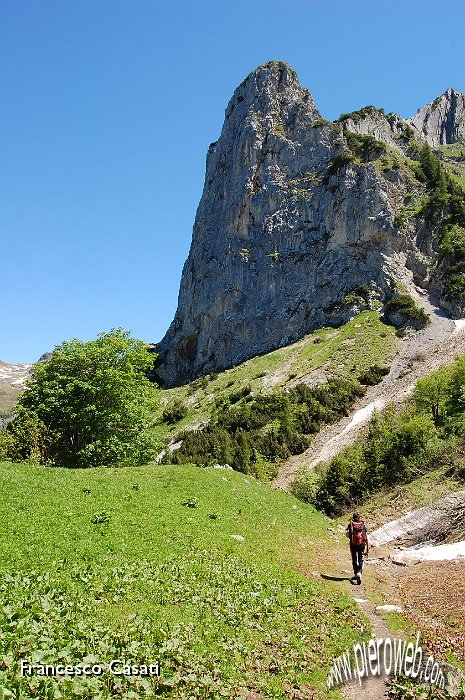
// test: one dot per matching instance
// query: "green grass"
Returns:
(343, 352)
(145, 564)
(453, 150)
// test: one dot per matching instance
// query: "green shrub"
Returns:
(175, 412)
(452, 251)
(239, 394)
(254, 433)
(339, 161)
(357, 295)
(305, 485)
(373, 375)
(364, 147)
(360, 114)
(403, 311)
(398, 447)
(392, 452)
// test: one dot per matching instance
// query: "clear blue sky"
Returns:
(107, 111)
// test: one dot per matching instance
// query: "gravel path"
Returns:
(419, 353)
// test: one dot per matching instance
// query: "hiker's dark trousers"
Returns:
(357, 557)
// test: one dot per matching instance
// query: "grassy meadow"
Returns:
(193, 569)
(207, 572)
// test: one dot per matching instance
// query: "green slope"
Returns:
(455, 161)
(344, 352)
(192, 568)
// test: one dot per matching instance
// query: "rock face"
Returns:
(442, 121)
(297, 215)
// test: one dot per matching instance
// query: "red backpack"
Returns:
(357, 532)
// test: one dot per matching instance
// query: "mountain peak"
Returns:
(442, 121)
(271, 89)
(278, 72)
(450, 91)
(271, 68)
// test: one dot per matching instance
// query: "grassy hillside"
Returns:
(344, 352)
(192, 568)
(455, 163)
(400, 444)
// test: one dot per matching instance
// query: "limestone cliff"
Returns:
(442, 121)
(299, 225)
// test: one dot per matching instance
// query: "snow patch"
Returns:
(360, 416)
(440, 552)
(363, 414)
(15, 375)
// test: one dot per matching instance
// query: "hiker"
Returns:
(357, 534)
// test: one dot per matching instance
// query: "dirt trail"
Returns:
(429, 595)
(279, 376)
(419, 353)
(373, 687)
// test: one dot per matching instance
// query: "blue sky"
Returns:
(108, 108)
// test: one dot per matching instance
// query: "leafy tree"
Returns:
(332, 494)
(90, 404)
(409, 447)
(456, 399)
(432, 392)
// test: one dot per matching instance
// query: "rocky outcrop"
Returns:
(297, 214)
(388, 128)
(442, 121)
(432, 523)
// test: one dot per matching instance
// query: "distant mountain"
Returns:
(12, 379)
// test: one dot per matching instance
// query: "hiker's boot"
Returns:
(359, 578)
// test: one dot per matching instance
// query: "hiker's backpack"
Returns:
(357, 533)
